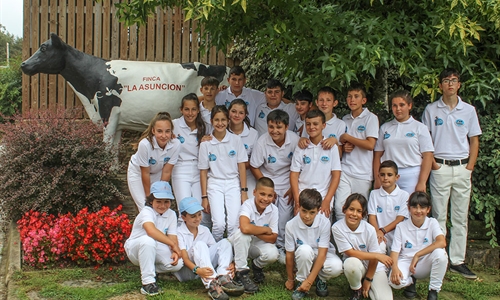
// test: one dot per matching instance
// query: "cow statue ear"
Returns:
(56, 41)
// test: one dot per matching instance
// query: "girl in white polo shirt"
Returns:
(155, 158)
(222, 174)
(239, 124)
(418, 249)
(407, 142)
(364, 263)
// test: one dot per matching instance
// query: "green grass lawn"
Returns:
(123, 282)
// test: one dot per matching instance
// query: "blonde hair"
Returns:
(148, 133)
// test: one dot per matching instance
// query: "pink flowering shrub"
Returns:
(87, 238)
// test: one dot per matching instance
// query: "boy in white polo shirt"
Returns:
(303, 102)
(315, 167)
(272, 157)
(455, 131)
(256, 235)
(201, 253)
(308, 247)
(387, 205)
(357, 149)
(274, 94)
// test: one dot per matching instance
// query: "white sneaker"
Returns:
(282, 255)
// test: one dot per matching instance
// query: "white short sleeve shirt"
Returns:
(188, 140)
(186, 239)
(335, 127)
(249, 138)
(386, 207)
(167, 225)
(252, 98)
(269, 218)
(404, 142)
(206, 116)
(409, 239)
(317, 235)
(263, 110)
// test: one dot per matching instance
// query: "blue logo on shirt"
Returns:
(266, 225)
(246, 146)
(317, 240)
(262, 114)
(379, 209)
(232, 153)
(324, 159)
(332, 135)
(408, 245)
(271, 159)
(438, 121)
(227, 103)
(290, 155)
(299, 242)
(361, 128)
(396, 208)
(253, 222)
(166, 159)
(165, 230)
(410, 134)
(362, 246)
(152, 161)
(426, 241)
(181, 139)
(386, 135)
(212, 157)
(460, 122)
(306, 159)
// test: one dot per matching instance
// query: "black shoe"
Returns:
(243, 278)
(433, 295)
(258, 274)
(321, 288)
(150, 289)
(410, 291)
(356, 295)
(463, 270)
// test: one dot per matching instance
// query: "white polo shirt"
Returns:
(298, 124)
(167, 224)
(269, 218)
(386, 207)
(364, 238)
(409, 239)
(404, 142)
(222, 158)
(317, 235)
(273, 161)
(155, 157)
(335, 127)
(263, 110)
(252, 98)
(188, 140)
(186, 238)
(450, 128)
(315, 166)
(206, 116)
(359, 162)
(249, 138)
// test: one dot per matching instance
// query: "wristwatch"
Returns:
(244, 189)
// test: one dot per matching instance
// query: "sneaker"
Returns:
(258, 274)
(243, 278)
(230, 287)
(433, 295)
(321, 288)
(215, 291)
(282, 255)
(150, 289)
(410, 291)
(463, 270)
(297, 295)
(356, 295)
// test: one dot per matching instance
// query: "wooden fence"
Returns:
(94, 29)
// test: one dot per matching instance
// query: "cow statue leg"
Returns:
(112, 136)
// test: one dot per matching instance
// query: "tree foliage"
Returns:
(15, 45)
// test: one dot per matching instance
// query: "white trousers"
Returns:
(408, 178)
(151, 256)
(224, 197)
(432, 265)
(217, 256)
(135, 185)
(285, 214)
(355, 270)
(347, 186)
(452, 184)
(186, 183)
(305, 258)
(246, 246)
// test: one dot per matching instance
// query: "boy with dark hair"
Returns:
(308, 248)
(455, 132)
(274, 94)
(209, 89)
(303, 102)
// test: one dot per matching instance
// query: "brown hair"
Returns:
(148, 133)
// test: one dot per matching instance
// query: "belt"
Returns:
(448, 162)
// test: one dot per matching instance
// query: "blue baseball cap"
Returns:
(162, 190)
(190, 205)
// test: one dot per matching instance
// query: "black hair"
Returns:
(265, 181)
(357, 87)
(210, 80)
(241, 102)
(313, 113)
(448, 72)
(237, 70)
(310, 199)
(356, 197)
(389, 164)
(279, 116)
(327, 89)
(303, 95)
(274, 83)
(419, 198)
(200, 124)
(406, 95)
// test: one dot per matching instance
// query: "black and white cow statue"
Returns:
(121, 94)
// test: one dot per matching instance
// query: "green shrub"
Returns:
(10, 88)
(51, 163)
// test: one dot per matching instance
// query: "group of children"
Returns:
(307, 169)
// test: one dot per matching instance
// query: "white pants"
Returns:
(432, 265)
(285, 214)
(246, 246)
(186, 183)
(135, 185)
(305, 258)
(355, 270)
(151, 256)
(347, 186)
(452, 184)
(224, 197)
(408, 178)
(219, 255)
